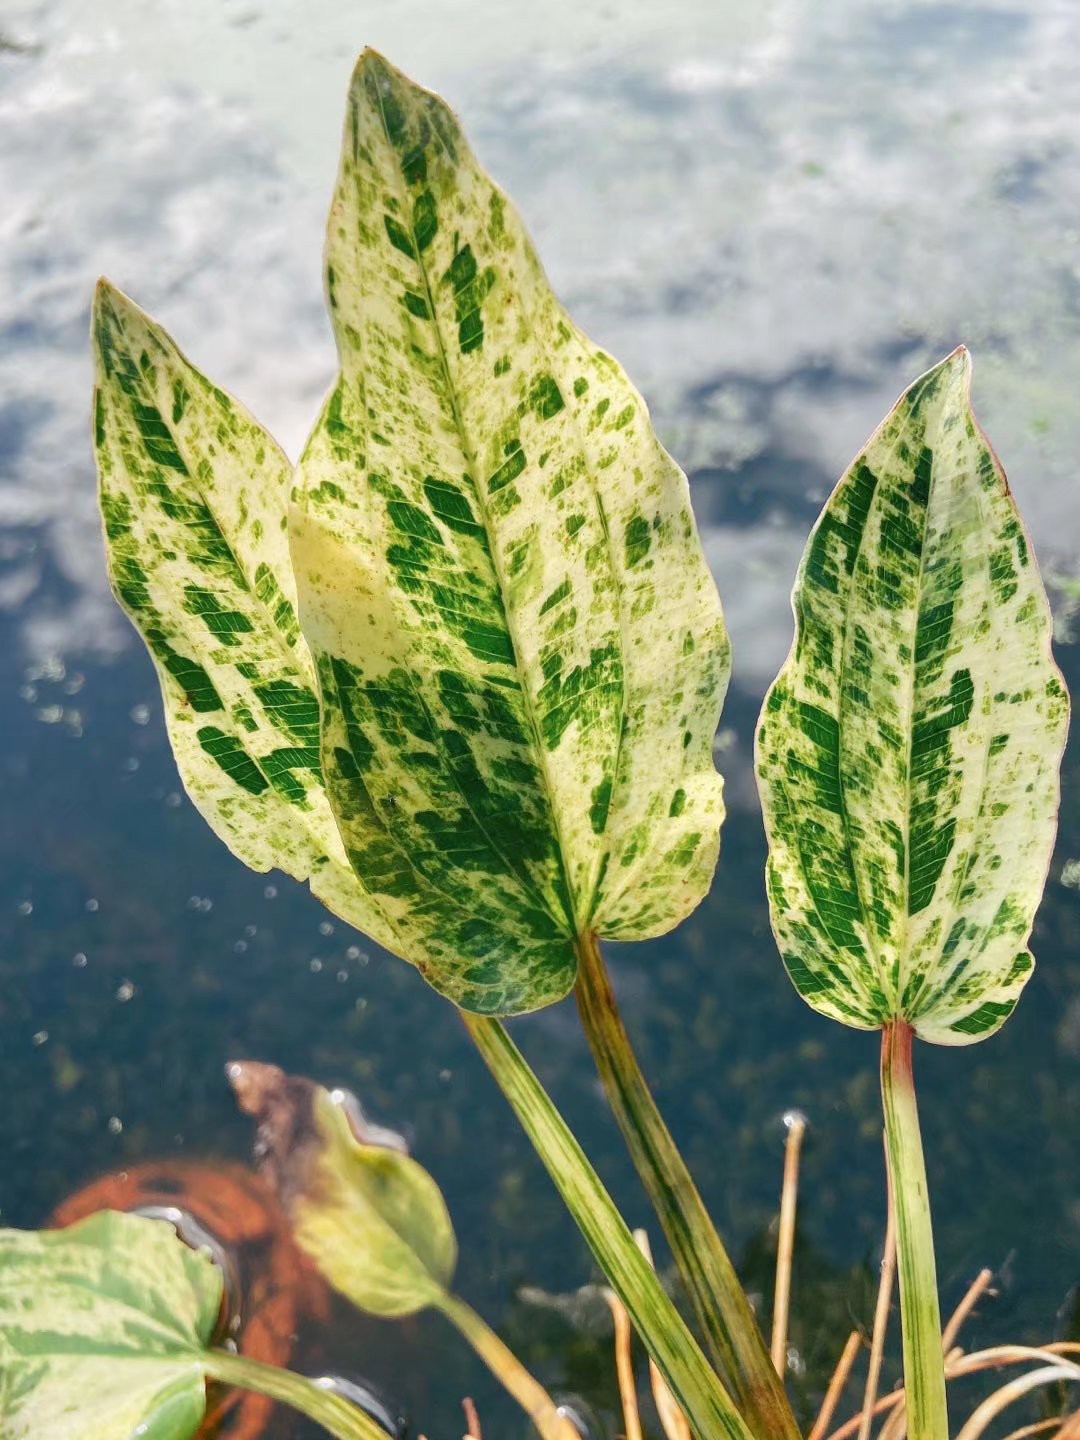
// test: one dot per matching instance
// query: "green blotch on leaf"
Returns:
(227, 752)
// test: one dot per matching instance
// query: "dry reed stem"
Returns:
(839, 1379)
(994, 1358)
(976, 1290)
(472, 1420)
(785, 1245)
(985, 1414)
(624, 1366)
(1039, 1427)
(881, 1320)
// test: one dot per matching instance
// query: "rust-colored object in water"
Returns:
(275, 1284)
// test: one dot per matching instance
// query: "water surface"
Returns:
(776, 216)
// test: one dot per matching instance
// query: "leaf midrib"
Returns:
(941, 990)
(470, 457)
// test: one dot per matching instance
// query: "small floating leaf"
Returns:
(102, 1331)
(371, 1219)
(908, 752)
(519, 646)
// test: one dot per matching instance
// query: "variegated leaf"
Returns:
(102, 1330)
(194, 495)
(908, 752)
(520, 649)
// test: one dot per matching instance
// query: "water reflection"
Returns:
(775, 216)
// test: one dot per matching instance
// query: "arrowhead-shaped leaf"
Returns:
(519, 645)
(371, 1219)
(102, 1331)
(194, 495)
(908, 751)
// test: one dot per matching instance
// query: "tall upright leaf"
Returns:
(908, 758)
(519, 646)
(193, 494)
(908, 751)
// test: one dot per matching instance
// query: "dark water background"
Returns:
(776, 216)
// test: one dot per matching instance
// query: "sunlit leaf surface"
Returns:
(908, 752)
(102, 1330)
(520, 648)
(194, 494)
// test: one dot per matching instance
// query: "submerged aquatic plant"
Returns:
(461, 669)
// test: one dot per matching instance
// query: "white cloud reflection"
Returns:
(809, 204)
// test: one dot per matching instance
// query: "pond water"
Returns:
(776, 216)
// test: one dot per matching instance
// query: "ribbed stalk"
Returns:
(508, 1369)
(335, 1415)
(707, 1405)
(720, 1306)
(924, 1369)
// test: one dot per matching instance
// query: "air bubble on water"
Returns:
(140, 714)
(74, 683)
(386, 1415)
(353, 952)
(250, 930)
(40, 1038)
(26, 907)
(342, 976)
(239, 947)
(446, 1076)
(270, 891)
(125, 991)
(325, 928)
(361, 1004)
(172, 800)
(79, 960)
(115, 1125)
(315, 964)
(1070, 874)
(28, 693)
(581, 1416)
(50, 714)
(131, 764)
(92, 906)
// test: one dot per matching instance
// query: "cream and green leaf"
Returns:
(102, 1329)
(194, 497)
(519, 646)
(908, 752)
(106, 1330)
